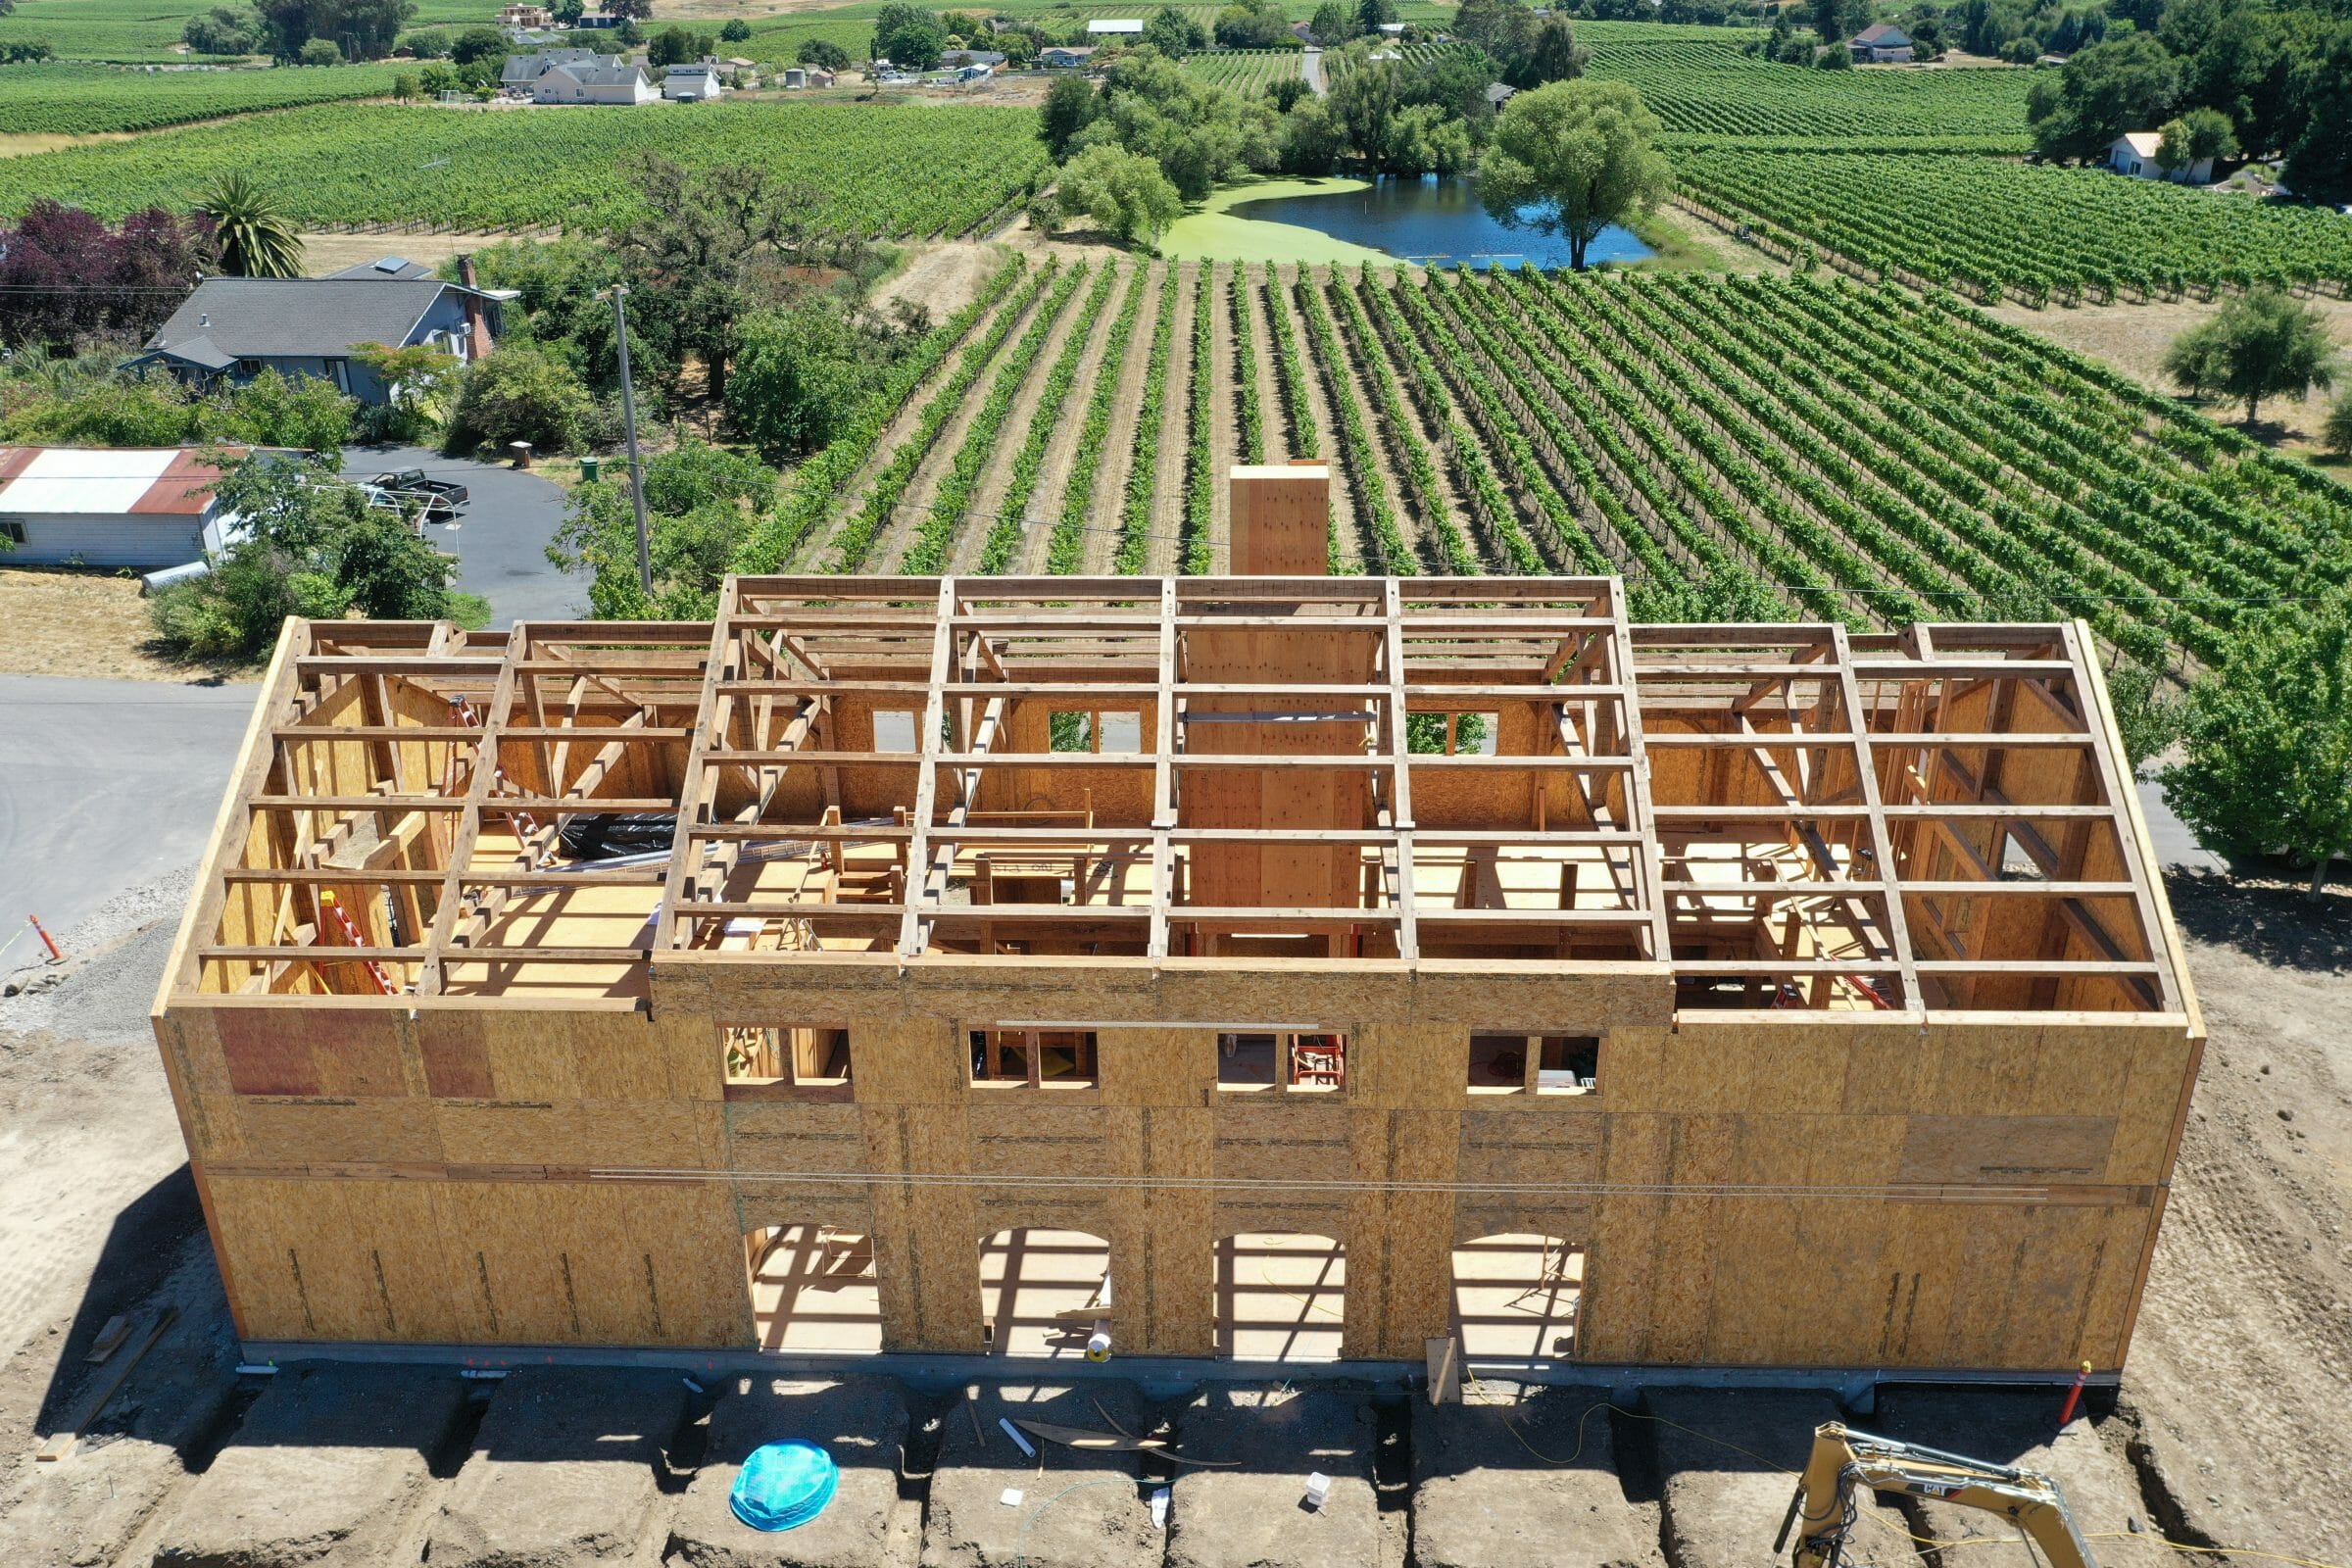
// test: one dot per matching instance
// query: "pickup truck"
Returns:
(438, 498)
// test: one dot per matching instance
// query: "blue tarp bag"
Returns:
(784, 1484)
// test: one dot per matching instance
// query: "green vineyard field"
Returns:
(77, 100)
(1749, 445)
(883, 170)
(145, 32)
(1705, 88)
(1996, 229)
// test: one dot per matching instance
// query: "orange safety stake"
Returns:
(2074, 1397)
(47, 941)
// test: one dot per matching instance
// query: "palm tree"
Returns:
(257, 238)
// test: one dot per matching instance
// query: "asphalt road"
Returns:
(500, 539)
(105, 784)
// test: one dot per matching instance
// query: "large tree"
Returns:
(910, 36)
(1071, 105)
(1573, 158)
(2130, 83)
(2265, 343)
(2269, 765)
(703, 246)
(1125, 192)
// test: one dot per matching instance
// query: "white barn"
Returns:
(141, 506)
(2133, 153)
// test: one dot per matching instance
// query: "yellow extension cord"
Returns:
(1968, 1540)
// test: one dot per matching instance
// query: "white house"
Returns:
(1882, 43)
(1115, 28)
(606, 82)
(2133, 153)
(143, 507)
(693, 83)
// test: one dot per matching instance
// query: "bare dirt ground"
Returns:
(1055, 477)
(1343, 524)
(1110, 480)
(943, 278)
(323, 254)
(55, 621)
(2134, 339)
(988, 497)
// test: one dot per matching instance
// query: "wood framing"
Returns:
(1851, 1027)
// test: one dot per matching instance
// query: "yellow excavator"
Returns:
(1824, 1510)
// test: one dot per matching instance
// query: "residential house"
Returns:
(2133, 153)
(1115, 28)
(140, 507)
(231, 329)
(1499, 93)
(523, 72)
(602, 20)
(1062, 58)
(693, 83)
(526, 16)
(608, 81)
(1879, 44)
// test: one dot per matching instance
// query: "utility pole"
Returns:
(628, 415)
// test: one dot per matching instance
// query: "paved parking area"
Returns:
(500, 539)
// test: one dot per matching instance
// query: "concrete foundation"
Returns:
(1078, 1509)
(322, 1473)
(1526, 1481)
(862, 1422)
(1255, 1514)
(565, 1473)
(1729, 1464)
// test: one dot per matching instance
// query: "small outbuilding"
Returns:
(696, 83)
(1881, 44)
(2133, 153)
(141, 506)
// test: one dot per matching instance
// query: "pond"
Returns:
(1432, 219)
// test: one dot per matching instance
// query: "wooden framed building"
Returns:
(1810, 997)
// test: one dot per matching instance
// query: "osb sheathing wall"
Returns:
(373, 1177)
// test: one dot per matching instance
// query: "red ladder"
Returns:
(333, 910)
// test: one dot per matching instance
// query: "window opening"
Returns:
(1033, 1058)
(787, 1060)
(1297, 1063)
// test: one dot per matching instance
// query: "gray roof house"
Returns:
(1881, 43)
(233, 328)
(521, 71)
(609, 82)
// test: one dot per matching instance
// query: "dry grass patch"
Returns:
(93, 624)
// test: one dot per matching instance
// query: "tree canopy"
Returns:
(2269, 743)
(2264, 343)
(910, 36)
(1572, 158)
